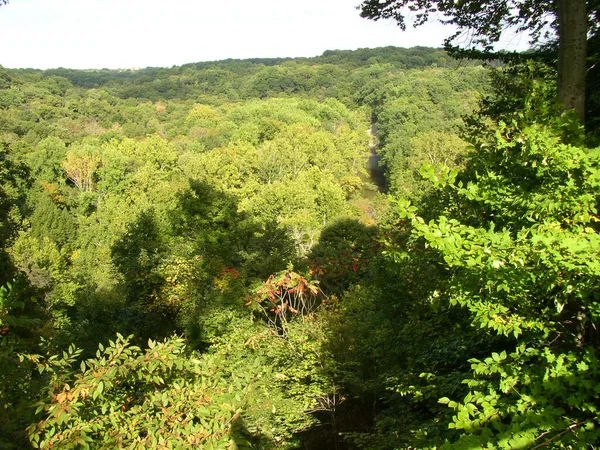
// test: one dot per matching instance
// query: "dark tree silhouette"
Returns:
(486, 20)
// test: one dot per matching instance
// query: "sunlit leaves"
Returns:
(526, 270)
(286, 295)
(126, 396)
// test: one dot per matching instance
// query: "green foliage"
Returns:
(291, 388)
(429, 152)
(342, 255)
(161, 198)
(319, 77)
(126, 396)
(14, 179)
(20, 322)
(251, 392)
(45, 161)
(525, 270)
(414, 127)
(52, 221)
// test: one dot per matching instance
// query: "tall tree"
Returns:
(572, 53)
(487, 19)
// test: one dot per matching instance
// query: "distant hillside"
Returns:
(248, 78)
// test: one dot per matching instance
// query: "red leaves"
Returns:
(231, 272)
(286, 294)
(340, 263)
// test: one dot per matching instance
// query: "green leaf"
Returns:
(99, 390)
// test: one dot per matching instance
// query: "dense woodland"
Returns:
(198, 257)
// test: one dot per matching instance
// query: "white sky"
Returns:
(82, 34)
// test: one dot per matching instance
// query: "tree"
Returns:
(488, 19)
(429, 152)
(518, 237)
(80, 167)
(14, 182)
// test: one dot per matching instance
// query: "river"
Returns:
(375, 180)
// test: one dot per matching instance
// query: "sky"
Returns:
(95, 34)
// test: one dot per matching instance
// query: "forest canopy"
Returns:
(382, 248)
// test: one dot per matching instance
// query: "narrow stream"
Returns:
(375, 181)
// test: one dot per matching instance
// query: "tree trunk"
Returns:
(572, 64)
